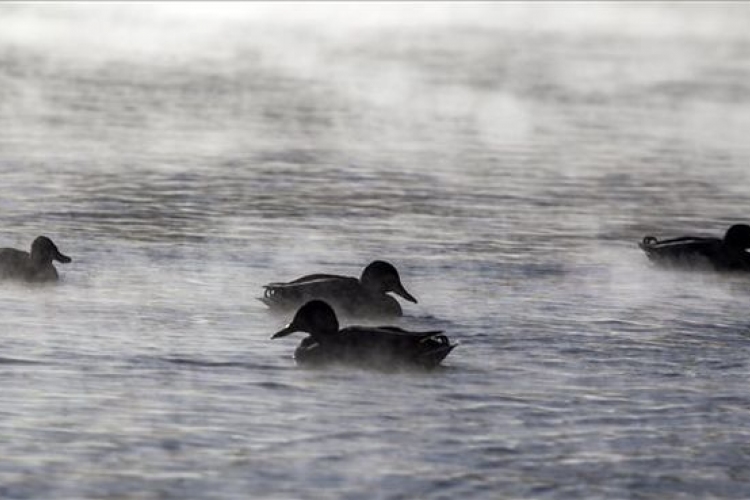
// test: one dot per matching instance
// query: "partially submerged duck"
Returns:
(34, 267)
(366, 296)
(383, 347)
(727, 254)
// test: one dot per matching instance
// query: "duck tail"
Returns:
(434, 356)
(648, 242)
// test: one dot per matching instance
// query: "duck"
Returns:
(721, 254)
(363, 297)
(378, 347)
(35, 266)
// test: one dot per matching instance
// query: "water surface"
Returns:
(506, 158)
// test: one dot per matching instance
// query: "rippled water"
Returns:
(506, 158)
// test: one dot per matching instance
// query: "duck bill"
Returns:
(61, 258)
(401, 291)
(289, 329)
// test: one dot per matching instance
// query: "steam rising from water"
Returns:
(177, 29)
(505, 157)
(722, 19)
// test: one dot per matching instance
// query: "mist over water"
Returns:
(506, 158)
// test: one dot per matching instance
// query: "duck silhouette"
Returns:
(363, 297)
(35, 266)
(381, 347)
(721, 254)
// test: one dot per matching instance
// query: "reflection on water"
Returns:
(506, 164)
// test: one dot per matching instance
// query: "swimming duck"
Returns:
(381, 347)
(32, 267)
(727, 254)
(366, 296)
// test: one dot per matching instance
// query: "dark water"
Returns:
(506, 158)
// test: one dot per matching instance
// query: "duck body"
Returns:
(380, 347)
(383, 347)
(720, 254)
(33, 267)
(363, 297)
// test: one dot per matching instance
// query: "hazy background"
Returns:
(506, 157)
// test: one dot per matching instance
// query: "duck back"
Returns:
(13, 262)
(695, 252)
(17, 265)
(293, 294)
(382, 348)
(346, 294)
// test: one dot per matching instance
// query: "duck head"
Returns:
(316, 318)
(738, 237)
(382, 277)
(44, 251)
